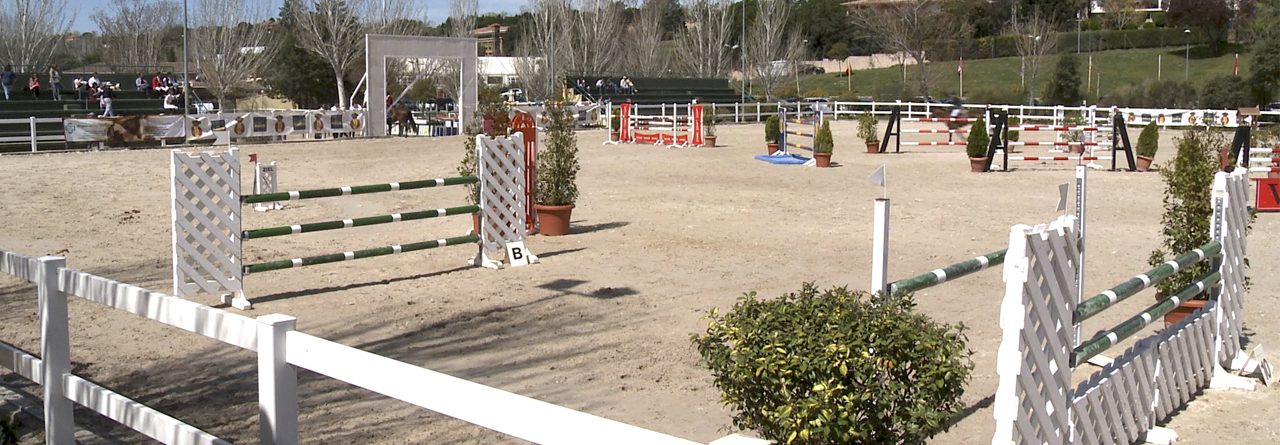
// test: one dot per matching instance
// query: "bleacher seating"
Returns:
(129, 102)
(657, 90)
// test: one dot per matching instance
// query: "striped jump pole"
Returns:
(939, 276)
(1264, 150)
(1057, 158)
(356, 222)
(935, 131)
(940, 119)
(1124, 330)
(357, 190)
(1055, 144)
(934, 144)
(1264, 169)
(1124, 290)
(1051, 128)
(358, 254)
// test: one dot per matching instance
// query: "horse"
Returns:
(945, 113)
(401, 115)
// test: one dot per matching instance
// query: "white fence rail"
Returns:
(33, 136)
(280, 349)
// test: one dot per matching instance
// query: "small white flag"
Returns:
(879, 178)
(1062, 197)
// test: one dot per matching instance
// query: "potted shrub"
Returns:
(771, 133)
(709, 126)
(823, 144)
(1014, 135)
(793, 368)
(615, 128)
(557, 173)
(1148, 144)
(867, 131)
(976, 147)
(1077, 136)
(469, 166)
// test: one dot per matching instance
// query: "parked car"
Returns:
(1274, 106)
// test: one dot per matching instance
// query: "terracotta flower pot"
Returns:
(978, 165)
(708, 141)
(1076, 149)
(822, 159)
(475, 223)
(1144, 163)
(873, 146)
(1274, 174)
(773, 147)
(554, 220)
(1183, 310)
(613, 136)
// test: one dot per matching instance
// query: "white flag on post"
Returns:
(878, 178)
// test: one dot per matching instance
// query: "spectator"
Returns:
(600, 85)
(627, 86)
(55, 81)
(94, 82)
(157, 83)
(171, 100)
(108, 97)
(142, 84)
(6, 80)
(33, 85)
(82, 87)
(168, 81)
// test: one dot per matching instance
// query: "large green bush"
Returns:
(558, 160)
(1188, 204)
(1149, 140)
(1064, 87)
(978, 140)
(1226, 93)
(836, 367)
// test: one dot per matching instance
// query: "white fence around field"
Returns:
(281, 350)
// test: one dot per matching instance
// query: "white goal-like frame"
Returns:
(379, 47)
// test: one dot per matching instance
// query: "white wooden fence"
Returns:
(1121, 403)
(281, 351)
(33, 137)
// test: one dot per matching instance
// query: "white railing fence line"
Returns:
(281, 350)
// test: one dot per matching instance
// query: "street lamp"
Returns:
(1187, 74)
(742, 79)
(743, 53)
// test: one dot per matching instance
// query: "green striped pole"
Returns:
(358, 254)
(1133, 325)
(1136, 284)
(939, 276)
(356, 190)
(356, 222)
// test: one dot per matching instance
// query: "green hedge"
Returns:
(1006, 45)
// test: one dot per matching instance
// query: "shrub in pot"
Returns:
(867, 131)
(469, 166)
(1073, 119)
(976, 147)
(615, 127)
(836, 366)
(709, 126)
(1148, 144)
(772, 131)
(1014, 135)
(557, 173)
(823, 144)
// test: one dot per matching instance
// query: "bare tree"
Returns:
(597, 36)
(332, 29)
(1119, 12)
(133, 28)
(230, 43)
(394, 17)
(704, 45)
(771, 48)
(909, 27)
(644, 35)
(542, 48)
(31, 31)
(462, 17)
(1035, 38)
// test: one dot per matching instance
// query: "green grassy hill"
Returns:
(986, 77)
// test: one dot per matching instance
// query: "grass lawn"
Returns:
(1111, 70)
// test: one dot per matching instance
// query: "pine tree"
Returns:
(295, 74)
(1064, 88)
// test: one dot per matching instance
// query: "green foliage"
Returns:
(1064, 87)
(1211, 18)
(615, 123)
(836, 366)
(1149, 140)
(1014, 94)
(709, 118)
(824, 24)
(1073, 119)
(558, 160)
(1152, 94)
(1226, 92)
(976, 146)
(296, 74)
(867, 130)
(1014, 135)
(1188, 205)
(823, 142)
(9, 430)
(772, 129)
(469, 165)
(491, 107)
(1265, 68)
(838, 51)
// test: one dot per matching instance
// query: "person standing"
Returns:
(93, 81)
(55, 82)
(33, 85)
(6, 80)
(108, 97)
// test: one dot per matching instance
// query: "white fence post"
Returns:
(33, 134)
(277, 382)
(880, 247)
(55, 353)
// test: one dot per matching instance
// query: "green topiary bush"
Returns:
(1149, 141)
(558, 160)
(836, 366)
(867, 123)
(976, 146)
(823, 142)
(771, 130)
(615, 123)
(1188, 204)
(1014, 135)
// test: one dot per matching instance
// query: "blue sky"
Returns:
(437, 10)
